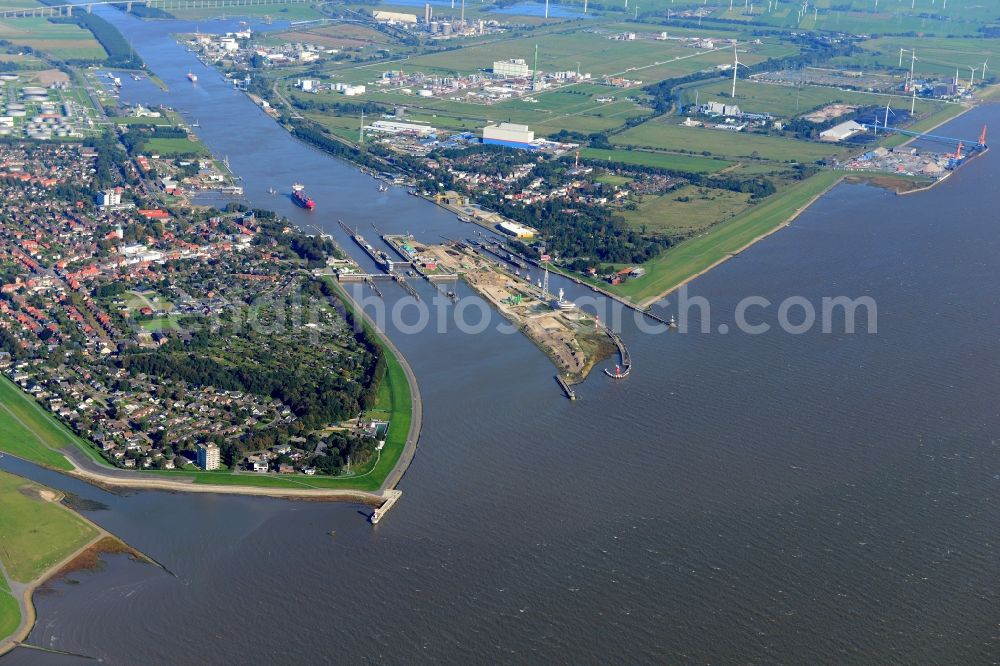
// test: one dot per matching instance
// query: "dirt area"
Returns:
(829, 112)
(571, 338)
(43, 494)
(49, 76)
(335, 37)
(897, 185)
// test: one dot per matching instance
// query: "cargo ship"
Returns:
(193, 78)
(300, 197)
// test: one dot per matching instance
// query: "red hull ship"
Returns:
(300, 197)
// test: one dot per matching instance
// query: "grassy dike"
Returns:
(10, 611)
(28, 431)
(681, 264)
(37, 534)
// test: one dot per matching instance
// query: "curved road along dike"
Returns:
(87, 469)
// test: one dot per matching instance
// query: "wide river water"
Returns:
(814, 498)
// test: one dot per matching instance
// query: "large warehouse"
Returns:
(511, 135)
(842, 131)
(515, 67)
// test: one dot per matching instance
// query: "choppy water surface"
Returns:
(772, 498)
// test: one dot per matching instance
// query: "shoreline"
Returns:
(650, 301)
(795, 214)
(416, 404)
(26, 591)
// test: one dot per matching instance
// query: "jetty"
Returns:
(624, 359)
(379, 513)
(567, 389)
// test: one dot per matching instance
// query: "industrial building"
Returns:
(516, 230)
(842, 131)
(208, 456)
(515, 67)
(511, 135)
(348, 89)
(395, 127)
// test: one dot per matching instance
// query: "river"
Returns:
(815, 498)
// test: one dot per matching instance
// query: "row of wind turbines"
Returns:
(972, 68)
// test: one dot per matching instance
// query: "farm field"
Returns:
(174, 147)
(669, 135)
(555, 110)
(277, 12)
(686, 210)
(689, 163)
(63, 40)
(790, 101)
(647, 60)
(936, 56)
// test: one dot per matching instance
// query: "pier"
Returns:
(570, 393)
(379, 513)
(625, 360)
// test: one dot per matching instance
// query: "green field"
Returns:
(789, 101)
(688, 163)
(35, 533)
(174, 147)
(686, 210)
(695, 255)
(555, 110)
(61, 40)
(10, 611)
(668, 134)
(28, 431)
(161, 324)
(278, 12)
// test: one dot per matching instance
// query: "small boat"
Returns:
(193, 78)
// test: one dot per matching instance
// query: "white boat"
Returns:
(193, 78)
(562, 304)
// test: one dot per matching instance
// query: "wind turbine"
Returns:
(913, 102)
(972, 75)
(736, 67)
(901, 52)
(984, 68)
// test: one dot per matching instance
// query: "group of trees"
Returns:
(109, 158)
(314, 393)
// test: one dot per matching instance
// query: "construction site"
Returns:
(574, 340)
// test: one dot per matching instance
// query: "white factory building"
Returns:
(509, 134)
(515, 67)
(394, 127)
(842, 131)
(516, 230)
(348, 89)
